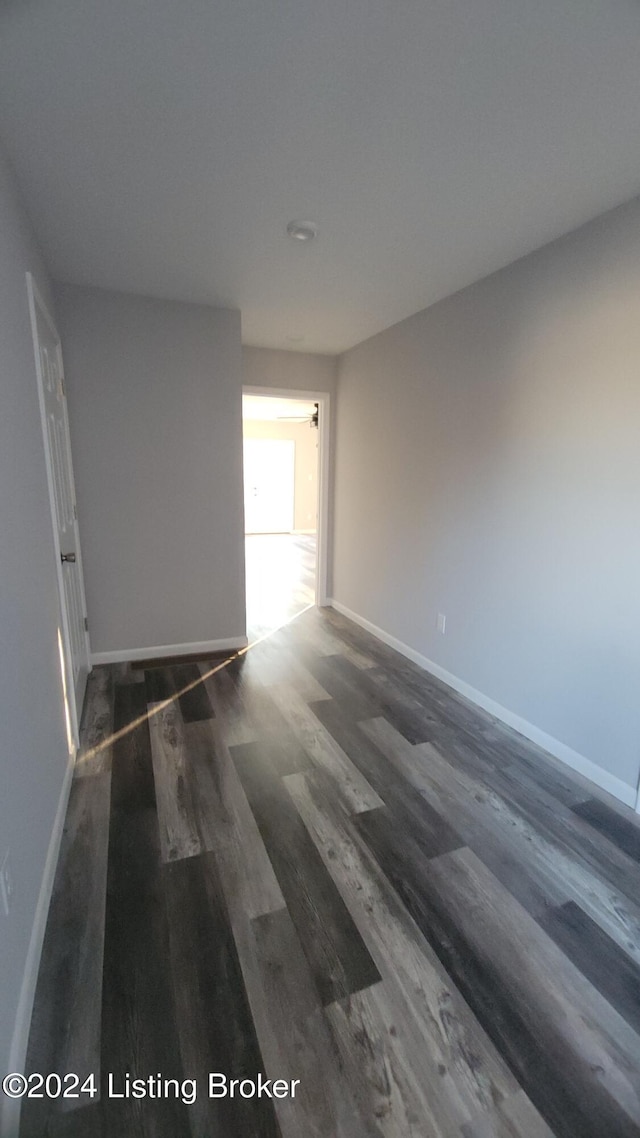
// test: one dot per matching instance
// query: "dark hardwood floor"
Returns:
(315, 862)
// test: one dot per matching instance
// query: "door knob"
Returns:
(71, 557)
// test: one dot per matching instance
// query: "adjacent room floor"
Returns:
(317, 863)
(281, 579)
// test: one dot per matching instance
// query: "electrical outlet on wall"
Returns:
(442, 622)
(6, 885)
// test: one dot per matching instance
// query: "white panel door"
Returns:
(269, 485)
(74, 640)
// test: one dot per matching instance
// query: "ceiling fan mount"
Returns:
(313, 419)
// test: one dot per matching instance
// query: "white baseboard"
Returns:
(10, 1108)
(123, 655)
(615, 786)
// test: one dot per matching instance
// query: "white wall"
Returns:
(488, 467)
(33, 750)
(155, 408)
(305, 439)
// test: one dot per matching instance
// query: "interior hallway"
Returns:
(318, 862)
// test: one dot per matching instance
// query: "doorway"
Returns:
(285, 476)
(73, 637)
(269, 482)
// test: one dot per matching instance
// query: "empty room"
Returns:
(320, 569)
(281, 448)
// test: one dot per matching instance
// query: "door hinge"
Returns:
(86, 623)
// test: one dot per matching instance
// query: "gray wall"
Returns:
(488, 467)
(154, 392)
(33, 750)
(302, 371)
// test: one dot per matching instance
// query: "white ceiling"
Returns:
(163, 145)
(268, 408)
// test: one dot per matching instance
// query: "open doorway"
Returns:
(284, 500)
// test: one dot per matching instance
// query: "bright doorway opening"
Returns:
(285, 474)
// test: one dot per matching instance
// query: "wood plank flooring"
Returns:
(315, 862)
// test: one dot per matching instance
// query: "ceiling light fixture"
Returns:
(302, 230)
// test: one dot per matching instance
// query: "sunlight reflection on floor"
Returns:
(280, 586)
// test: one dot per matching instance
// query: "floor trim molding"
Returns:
(10, 1108)
(609, 782)
(192, 648)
